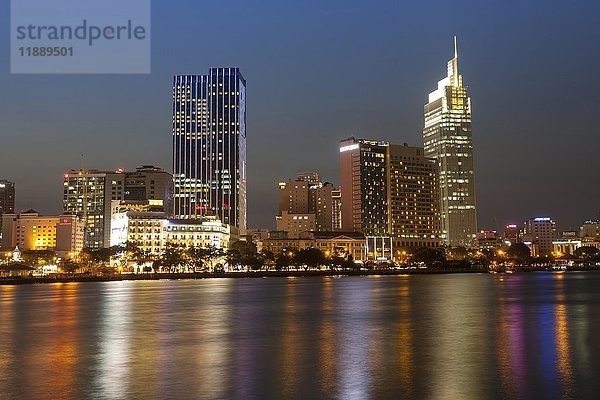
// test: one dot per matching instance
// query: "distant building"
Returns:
(511, 234)
(565, 246)
(7, 199)
(448, 139)
(590, 230)
(305, 204)
(389, 191)
(336, 204)
(89, 193)
(32, 231)
(488, 239)
(209, 146)
(539, 233)
(294, 224)
(341, 244)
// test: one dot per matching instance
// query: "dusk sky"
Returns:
(318, 72)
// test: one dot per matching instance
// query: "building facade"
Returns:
(32, 231)
(209, 146)
(511, 234)
(152, 231)
(340, 244)
(538, 234)
(89, 193)
(364, 184)
(389, 191)
(413, 197)
(7, 199)
(448, 139)
(305, 204)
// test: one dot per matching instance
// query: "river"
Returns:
(454, 336)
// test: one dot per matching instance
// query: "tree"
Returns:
(244, 253)
(37, 257)
(519, 252)
(69, 266)
(283, 261)
(311, 257)
(458, 253)
(172, 257)
(428, 256)
(586, 252)
(202, 257)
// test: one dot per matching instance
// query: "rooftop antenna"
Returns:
(455, 46)
(455, 62)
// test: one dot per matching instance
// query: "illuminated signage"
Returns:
(349, 148)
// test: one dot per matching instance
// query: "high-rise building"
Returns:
(336, 204)
(150, 183)
(305, 204)
(511, 234)
(209, 146)
(390, 191)
(413, 197)
(448, 139)
(538, 234)
(364, 183)
(89, 193)
(7, 199)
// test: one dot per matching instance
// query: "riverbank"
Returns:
(260, 274)
(248, 274)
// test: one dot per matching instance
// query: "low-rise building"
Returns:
(152, 231)
(340, 244)
(32, 231)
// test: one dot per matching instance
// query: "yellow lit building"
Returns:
(32, 231)
(152, 231)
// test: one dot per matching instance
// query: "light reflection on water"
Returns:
(447, 336)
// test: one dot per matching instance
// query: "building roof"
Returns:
(335, 235)
(16, 267)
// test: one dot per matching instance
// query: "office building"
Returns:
(448, 139)
(89, 193)
(413, 197)
(209, 146)
(7, 199)
(305, 204)
(389, 192)
(538, 234)
(364, 184)
(590, 230)
(511, 234)
(336, 204)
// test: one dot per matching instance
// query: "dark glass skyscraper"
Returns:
(209, 146)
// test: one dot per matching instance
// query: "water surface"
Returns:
(467, 336)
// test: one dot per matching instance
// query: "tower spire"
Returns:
(455, 46)
(456, 78)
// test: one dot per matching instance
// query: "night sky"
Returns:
(318, 73)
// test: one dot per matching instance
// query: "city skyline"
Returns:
(518, 122)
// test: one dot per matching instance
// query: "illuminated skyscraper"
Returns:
(209, 146)
(448, 139)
